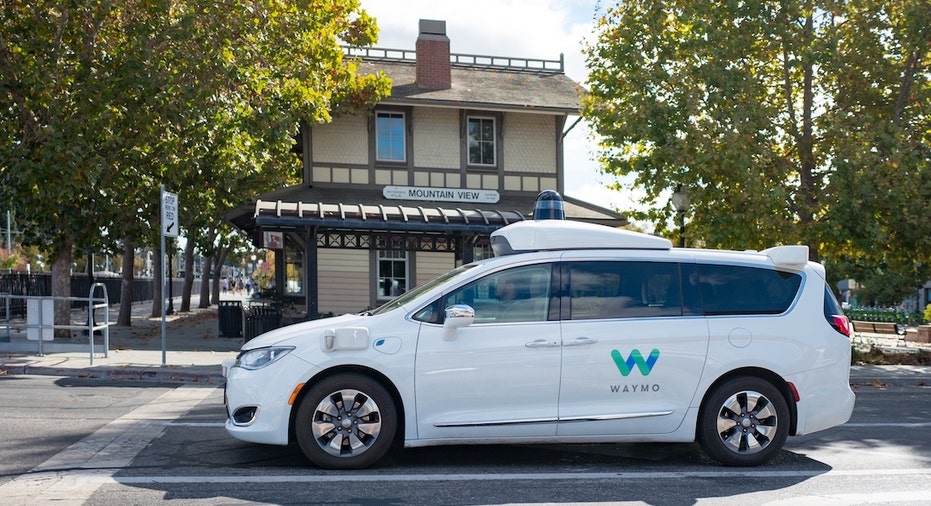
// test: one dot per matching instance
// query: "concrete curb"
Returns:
(213, 374)
(891, 374)
(205, 375)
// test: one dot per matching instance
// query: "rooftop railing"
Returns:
(461, 59)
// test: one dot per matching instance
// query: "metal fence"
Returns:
(40, 285)
(39, 324)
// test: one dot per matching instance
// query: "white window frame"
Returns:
(493, 141)
(378, 135)
(392, 256)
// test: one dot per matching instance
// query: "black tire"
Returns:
(743, 422)
(347, 421)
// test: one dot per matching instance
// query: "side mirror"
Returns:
(458, 315)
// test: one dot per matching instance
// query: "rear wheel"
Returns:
(743, 422)
(347, 421)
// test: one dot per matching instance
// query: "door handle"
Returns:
(542, 343)
(581, 341)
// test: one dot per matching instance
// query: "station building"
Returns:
(395, 196)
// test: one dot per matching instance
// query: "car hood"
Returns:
(305, 332)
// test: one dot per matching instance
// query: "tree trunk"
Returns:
(125, 318)
(61, 287)
(157, 285)
(188, 276)
(205, 283)
(222, 253)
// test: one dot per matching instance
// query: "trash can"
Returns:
(261, 319)
(229, 313)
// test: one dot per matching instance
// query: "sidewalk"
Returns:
(193, 353)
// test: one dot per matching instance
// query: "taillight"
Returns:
(841, 324)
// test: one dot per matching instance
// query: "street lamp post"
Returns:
(680, 200)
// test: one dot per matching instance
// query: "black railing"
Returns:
(461, 59)
(22, 283)
(40, 285)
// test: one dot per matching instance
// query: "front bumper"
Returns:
(257, 401)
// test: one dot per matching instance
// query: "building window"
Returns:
(389, 137)
(482, 141)
(482, 252)
(294, 270)
(392, 273)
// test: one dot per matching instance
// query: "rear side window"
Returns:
(624, 290)
(736, 290)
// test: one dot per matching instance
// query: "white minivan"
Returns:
(573, 333)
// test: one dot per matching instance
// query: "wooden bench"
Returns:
(879, 329)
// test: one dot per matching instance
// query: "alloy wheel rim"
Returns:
(346, 423)
(747, 422)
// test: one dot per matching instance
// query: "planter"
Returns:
(922, 336)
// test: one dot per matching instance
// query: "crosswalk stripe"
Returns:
(72, 475)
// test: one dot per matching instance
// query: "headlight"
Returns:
(261, 357)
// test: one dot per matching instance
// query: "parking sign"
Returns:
(169, 214)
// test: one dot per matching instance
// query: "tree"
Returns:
(101, 102)
(790, 122)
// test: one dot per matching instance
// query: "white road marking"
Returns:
(74, 474)
(890, 424)
(914, 497)
(352, 477)
(196, 424)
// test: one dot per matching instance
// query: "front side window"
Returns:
(521, 294)
(430, 313)
(482, 141)
(624, 290)
(389, 137)
(392, 274)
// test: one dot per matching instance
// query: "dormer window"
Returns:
(481, 139)
(390, 144)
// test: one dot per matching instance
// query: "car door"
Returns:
(633, 353)
(498, 377)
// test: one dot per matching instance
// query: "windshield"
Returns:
(418, 290)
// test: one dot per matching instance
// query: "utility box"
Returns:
(40, 318)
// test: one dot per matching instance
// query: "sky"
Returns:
(539, 29)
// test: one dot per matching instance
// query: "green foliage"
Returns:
(877, 315)
(9, 260)
(102, 102)
(792, 122)
(927, 313)
(881, 286)
(264, 276)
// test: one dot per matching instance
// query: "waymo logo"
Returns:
(635, 359)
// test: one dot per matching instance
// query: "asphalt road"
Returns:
(72, 441)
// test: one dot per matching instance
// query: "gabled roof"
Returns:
(476, 84)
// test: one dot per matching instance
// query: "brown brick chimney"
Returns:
(433, 56)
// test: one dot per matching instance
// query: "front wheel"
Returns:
(743, 422)
(347, 421)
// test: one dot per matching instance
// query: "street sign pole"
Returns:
(168, 204)
(161, 277)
